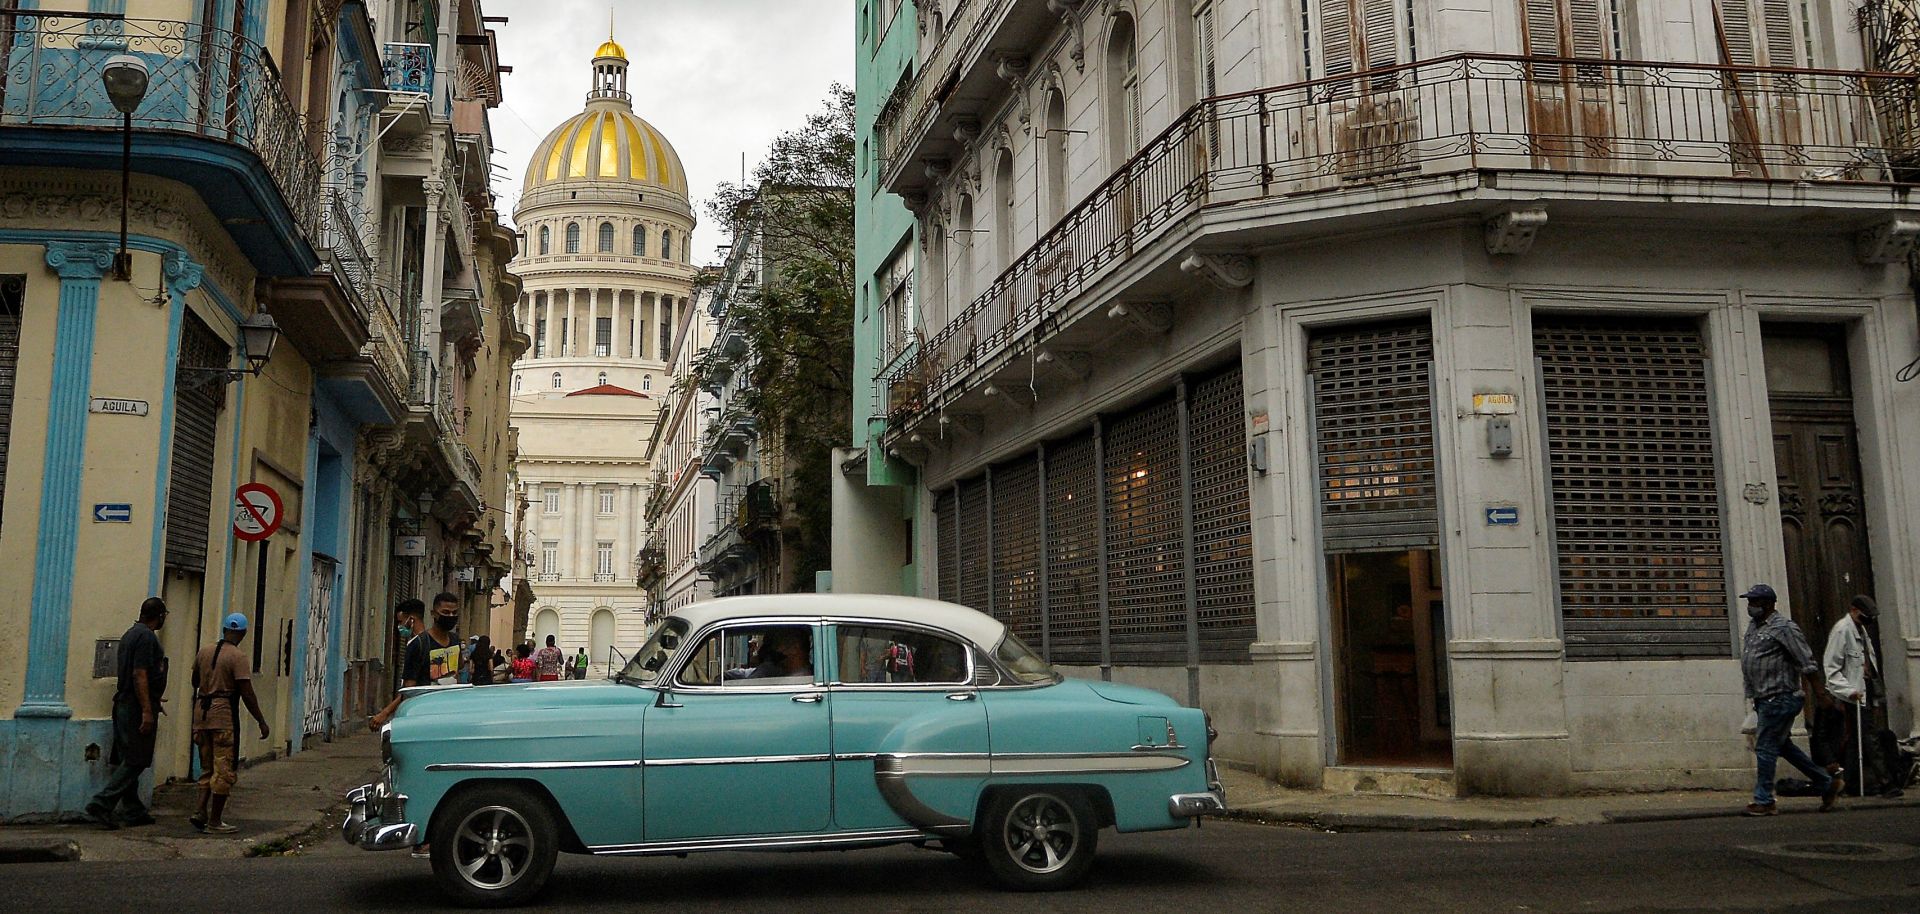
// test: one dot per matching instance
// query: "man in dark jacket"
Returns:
(136, 708)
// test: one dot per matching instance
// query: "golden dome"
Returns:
(606, 142)
(611, 49)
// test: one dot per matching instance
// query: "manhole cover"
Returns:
(1853, 851)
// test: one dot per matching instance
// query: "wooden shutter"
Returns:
(13, 295)
(1336, 37)
(196, 414)
(1358, 35)
(1203, 43)
(1758, 33)
(1380, 34)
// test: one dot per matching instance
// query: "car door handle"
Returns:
(810, 698)
(960, 696)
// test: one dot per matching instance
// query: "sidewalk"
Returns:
(1253, 798)
(274, 803)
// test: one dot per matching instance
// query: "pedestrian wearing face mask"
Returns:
(432, 657)
(1781, 679)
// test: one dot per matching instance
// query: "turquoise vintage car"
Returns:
(788, 722)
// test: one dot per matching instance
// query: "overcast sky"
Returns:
(717, 77)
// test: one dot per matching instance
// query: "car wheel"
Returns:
(1037, 839)
(494, 846)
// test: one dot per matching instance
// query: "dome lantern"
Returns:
(610, 72)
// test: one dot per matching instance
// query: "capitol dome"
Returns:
(607, 142)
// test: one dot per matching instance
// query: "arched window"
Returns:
(547, 622)
(606, 237)
(639, 241)
(516, 383)
(1123, 94)
(666, 244)
(960, 275)
(556, 380)
(573, 237)
(603, 379)
(1054, 158)
(1003, 204)
(646, 382)
(546, 239)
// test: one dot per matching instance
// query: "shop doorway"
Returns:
(1389, 635)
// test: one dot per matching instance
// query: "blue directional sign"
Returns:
(1503, 516)
(113, 514)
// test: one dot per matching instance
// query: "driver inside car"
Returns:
(784, 652)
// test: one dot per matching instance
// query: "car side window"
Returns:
(871, 654)
(751, 656)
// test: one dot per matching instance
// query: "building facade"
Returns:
(294, 179)
(1413, 385)
(608, 279)
(680, 510)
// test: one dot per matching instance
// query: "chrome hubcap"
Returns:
(1042, 834)
(492, 847)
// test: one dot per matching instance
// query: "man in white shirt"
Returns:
(1849, 662)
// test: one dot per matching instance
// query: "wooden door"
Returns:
(1570, 106)
(1816, 459)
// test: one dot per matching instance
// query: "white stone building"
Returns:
(680, 513)
(1411, 384)
(606, 219)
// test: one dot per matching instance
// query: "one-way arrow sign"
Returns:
(113, 514)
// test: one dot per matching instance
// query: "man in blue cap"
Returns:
(221, 674)
(1776, 665)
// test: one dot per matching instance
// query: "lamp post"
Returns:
(259, 334)
(125, 78)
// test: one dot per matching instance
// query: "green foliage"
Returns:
(798, 318)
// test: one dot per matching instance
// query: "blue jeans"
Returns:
(1773, 740)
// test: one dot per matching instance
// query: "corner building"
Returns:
(607, 280)
(1412, 385)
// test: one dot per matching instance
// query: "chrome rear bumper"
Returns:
(1193, 805)
(370, 806)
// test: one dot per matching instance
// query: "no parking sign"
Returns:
(256, 512)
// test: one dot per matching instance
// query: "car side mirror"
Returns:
(666, 699)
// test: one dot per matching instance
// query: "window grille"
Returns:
(1222, 517)
(1073, 557)
(1016, 547)
(1373, 418)
(13, 295)
(973, 544)
(1146, 561)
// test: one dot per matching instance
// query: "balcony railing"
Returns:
(386, 346)
(1440, 117)
(409, 67)
(346, 253)
(913, 105)
(201, 81)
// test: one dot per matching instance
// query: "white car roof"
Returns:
(975, 626)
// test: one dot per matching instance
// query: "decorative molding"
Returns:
(966, 130)
(1020, 400)
(1889, 242)
(80, 260)
(1512, 232)
(182, 274)
(1010, 67)
(1074, 362)
(30, 200)
(971, 423)
(1148, 317)
(1225, 271)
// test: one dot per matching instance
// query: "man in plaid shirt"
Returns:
(1776, 664)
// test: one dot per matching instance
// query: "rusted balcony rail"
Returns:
(201, 81)
(346, 254)
(913, 104)
(1438, 117)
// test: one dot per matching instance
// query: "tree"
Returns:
(798, 318)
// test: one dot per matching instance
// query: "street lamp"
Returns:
(258, 337)
(125, 78)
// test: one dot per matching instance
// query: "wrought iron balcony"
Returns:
(1726, 126)
(409, 67)
(911, 110)
(203, 82)
(346, 254)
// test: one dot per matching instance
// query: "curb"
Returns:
(1376, 822)
(1733, 812)
(40, 852)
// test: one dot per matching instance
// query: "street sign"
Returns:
(113, 514)
(117, 407)
(257, 512)
(1505, 516)
(409, 546)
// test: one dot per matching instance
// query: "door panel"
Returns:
(736, 763)
(868, 721)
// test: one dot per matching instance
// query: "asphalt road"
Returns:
(1850, 863)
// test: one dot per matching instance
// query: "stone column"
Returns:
(49, 627)
(593, 321)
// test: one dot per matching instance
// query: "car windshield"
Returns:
(645, 666)
(1015, 655)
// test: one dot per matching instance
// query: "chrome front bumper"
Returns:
(1194, 805)
(368, 807)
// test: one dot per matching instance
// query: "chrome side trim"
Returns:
(854, 757)
(774, 842)
(533, 766)
(737, 760)
(966, 764)
(890, 778)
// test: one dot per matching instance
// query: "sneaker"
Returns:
(102, 818)
(1762, 809)
(221, 828)
(1835, 784)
